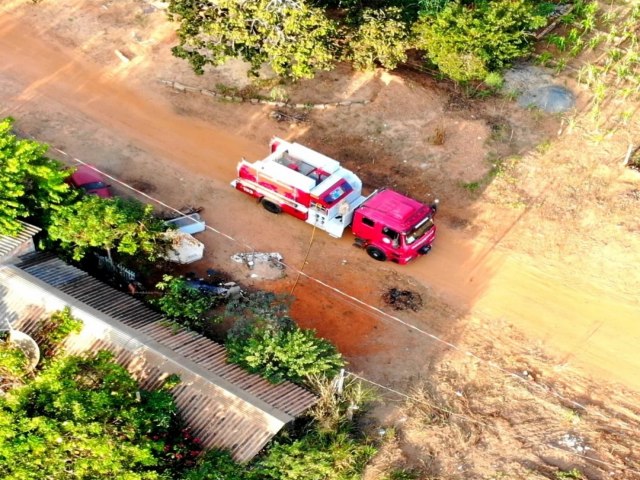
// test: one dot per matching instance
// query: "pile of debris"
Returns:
(262, 265)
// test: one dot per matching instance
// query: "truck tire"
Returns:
(376, 254)
(271, 207)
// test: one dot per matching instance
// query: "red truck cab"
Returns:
(391, 226)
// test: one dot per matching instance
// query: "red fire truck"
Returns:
(317, 189)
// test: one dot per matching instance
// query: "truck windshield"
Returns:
(419, 230)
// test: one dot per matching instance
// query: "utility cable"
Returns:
(377, 310)
(367, 306)
(304, 262)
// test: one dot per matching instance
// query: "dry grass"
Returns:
(466, 419)
(439, 136)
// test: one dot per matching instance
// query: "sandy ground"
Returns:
(542, 257)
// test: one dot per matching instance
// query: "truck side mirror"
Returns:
(434, 205)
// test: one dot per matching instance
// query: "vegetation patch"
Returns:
(271, 344)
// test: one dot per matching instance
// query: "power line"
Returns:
(418, 400)
(367, 306)
(480, 422)
(382, 313)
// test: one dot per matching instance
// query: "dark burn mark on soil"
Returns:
(402, 299)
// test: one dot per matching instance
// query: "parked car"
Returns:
(90, 181)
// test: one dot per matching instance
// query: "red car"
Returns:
(90, 181)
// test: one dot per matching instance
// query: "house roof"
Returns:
(225, 406)
(10, 243)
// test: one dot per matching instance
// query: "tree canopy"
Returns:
(467, 43)
(31, 185)
(465, 39)
(83, 418)
(289, 35)
(381, 38)
(108, 223)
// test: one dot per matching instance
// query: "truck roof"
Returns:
(394, 209)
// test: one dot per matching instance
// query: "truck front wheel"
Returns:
(271, 207)
(376, 254)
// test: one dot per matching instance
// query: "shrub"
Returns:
(381, 38)
(54, 331)
(216, 465)
(265, 340)
(468, 42)
(283, 354)
(184, 303)
(315, 457)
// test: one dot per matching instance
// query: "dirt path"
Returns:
(593, 329)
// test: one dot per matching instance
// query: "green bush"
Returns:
(315, 457)
(265, 340)
(381, 38)
(468, 42)
(283, 354)
(84, 417)
(55, 329)
(216, 465)
(183, 303)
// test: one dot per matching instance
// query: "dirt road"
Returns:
(591, 327)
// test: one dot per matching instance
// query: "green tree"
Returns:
(31, 184)
(431, 7)
(292, 37)
(381, 38)
(184, 303)
(83, 418)
(13, 363)
(108, 223)
(468, 42)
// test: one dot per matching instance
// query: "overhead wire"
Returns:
(538, 385)
(381, 313)
(480, 422)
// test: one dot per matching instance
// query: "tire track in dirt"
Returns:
(595, 329)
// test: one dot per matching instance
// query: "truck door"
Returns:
(390, 237)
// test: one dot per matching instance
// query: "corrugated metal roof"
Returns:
(9, 244)
(226, 406)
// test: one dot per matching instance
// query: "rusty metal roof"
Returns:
(9, 244)
(226, 406)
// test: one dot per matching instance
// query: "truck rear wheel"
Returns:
(271, 207)
(376, 254)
